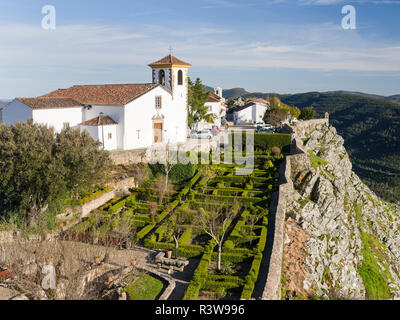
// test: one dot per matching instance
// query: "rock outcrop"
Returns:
(352, 250)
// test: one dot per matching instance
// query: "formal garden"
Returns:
(215, 212)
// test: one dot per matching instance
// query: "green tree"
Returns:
(279, 112)
(84, 161)
(34, 180)
(275, 116)
(40, 170)
(307, 113)
(197, 98)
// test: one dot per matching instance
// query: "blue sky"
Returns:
(284, 46)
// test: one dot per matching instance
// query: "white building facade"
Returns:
(215, 106)
(121, 116)
(252, 112)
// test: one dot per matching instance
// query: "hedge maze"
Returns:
(174, 224)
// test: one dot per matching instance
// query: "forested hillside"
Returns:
(371, 129)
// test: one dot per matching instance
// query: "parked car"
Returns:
(202, 134)
(265, 130)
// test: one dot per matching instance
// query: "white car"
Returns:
(202, 134)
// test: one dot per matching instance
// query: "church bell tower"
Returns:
(173, 74)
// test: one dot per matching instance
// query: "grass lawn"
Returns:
(144, 288)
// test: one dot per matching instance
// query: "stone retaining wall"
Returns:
(297, 159)
(272, 290)
(129, 156)
(96, 203)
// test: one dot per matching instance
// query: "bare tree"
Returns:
(216, 223)
(139, 173)
(207, 173)
(174, 227)
(160, 187)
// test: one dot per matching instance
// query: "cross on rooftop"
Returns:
(170, 50)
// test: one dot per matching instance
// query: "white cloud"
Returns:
(27, 52)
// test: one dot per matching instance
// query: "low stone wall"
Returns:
(272, 290)
(96, 203)
(298, 160)
(304, 128)
(129, 156)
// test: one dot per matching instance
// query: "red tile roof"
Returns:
(101, 120)
(107, 94)
(49, 103)
(214, 98)
(169, 60)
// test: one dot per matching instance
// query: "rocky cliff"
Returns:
(341, 240)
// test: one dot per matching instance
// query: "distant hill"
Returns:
(395, 98)
(370, 125)
(234, 93)
(371, 129)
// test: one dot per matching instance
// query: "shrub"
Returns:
(307, 113)
(116, 207)
(181, 172)
(192, 292)
(276, 151)
(142, 233)
(229, 244)
(265, 141)
(185, 237)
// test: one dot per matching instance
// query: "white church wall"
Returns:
(108, 134)
(114, 112)
(139, 118)
(59, 117)
(92, 130)
(16, 111)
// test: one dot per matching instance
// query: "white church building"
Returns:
(120, 116)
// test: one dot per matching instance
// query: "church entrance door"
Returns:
(158, 129)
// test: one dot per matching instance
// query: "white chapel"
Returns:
(120, 116)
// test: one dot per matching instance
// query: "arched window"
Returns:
(180, 78)
(161, 77)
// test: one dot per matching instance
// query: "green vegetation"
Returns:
(370, 128)
(316, 161)
(375, 280)
(197, 98)
(266, 141)
(241, 253)
(279, 112)
(307, 113)
(40, 169)
(144, 287)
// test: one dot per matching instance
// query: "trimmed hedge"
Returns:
(251, 278)
(185, 237)
(266, 141)
(226, 199)
(215, 283)
(142, 233)
(232, 257)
